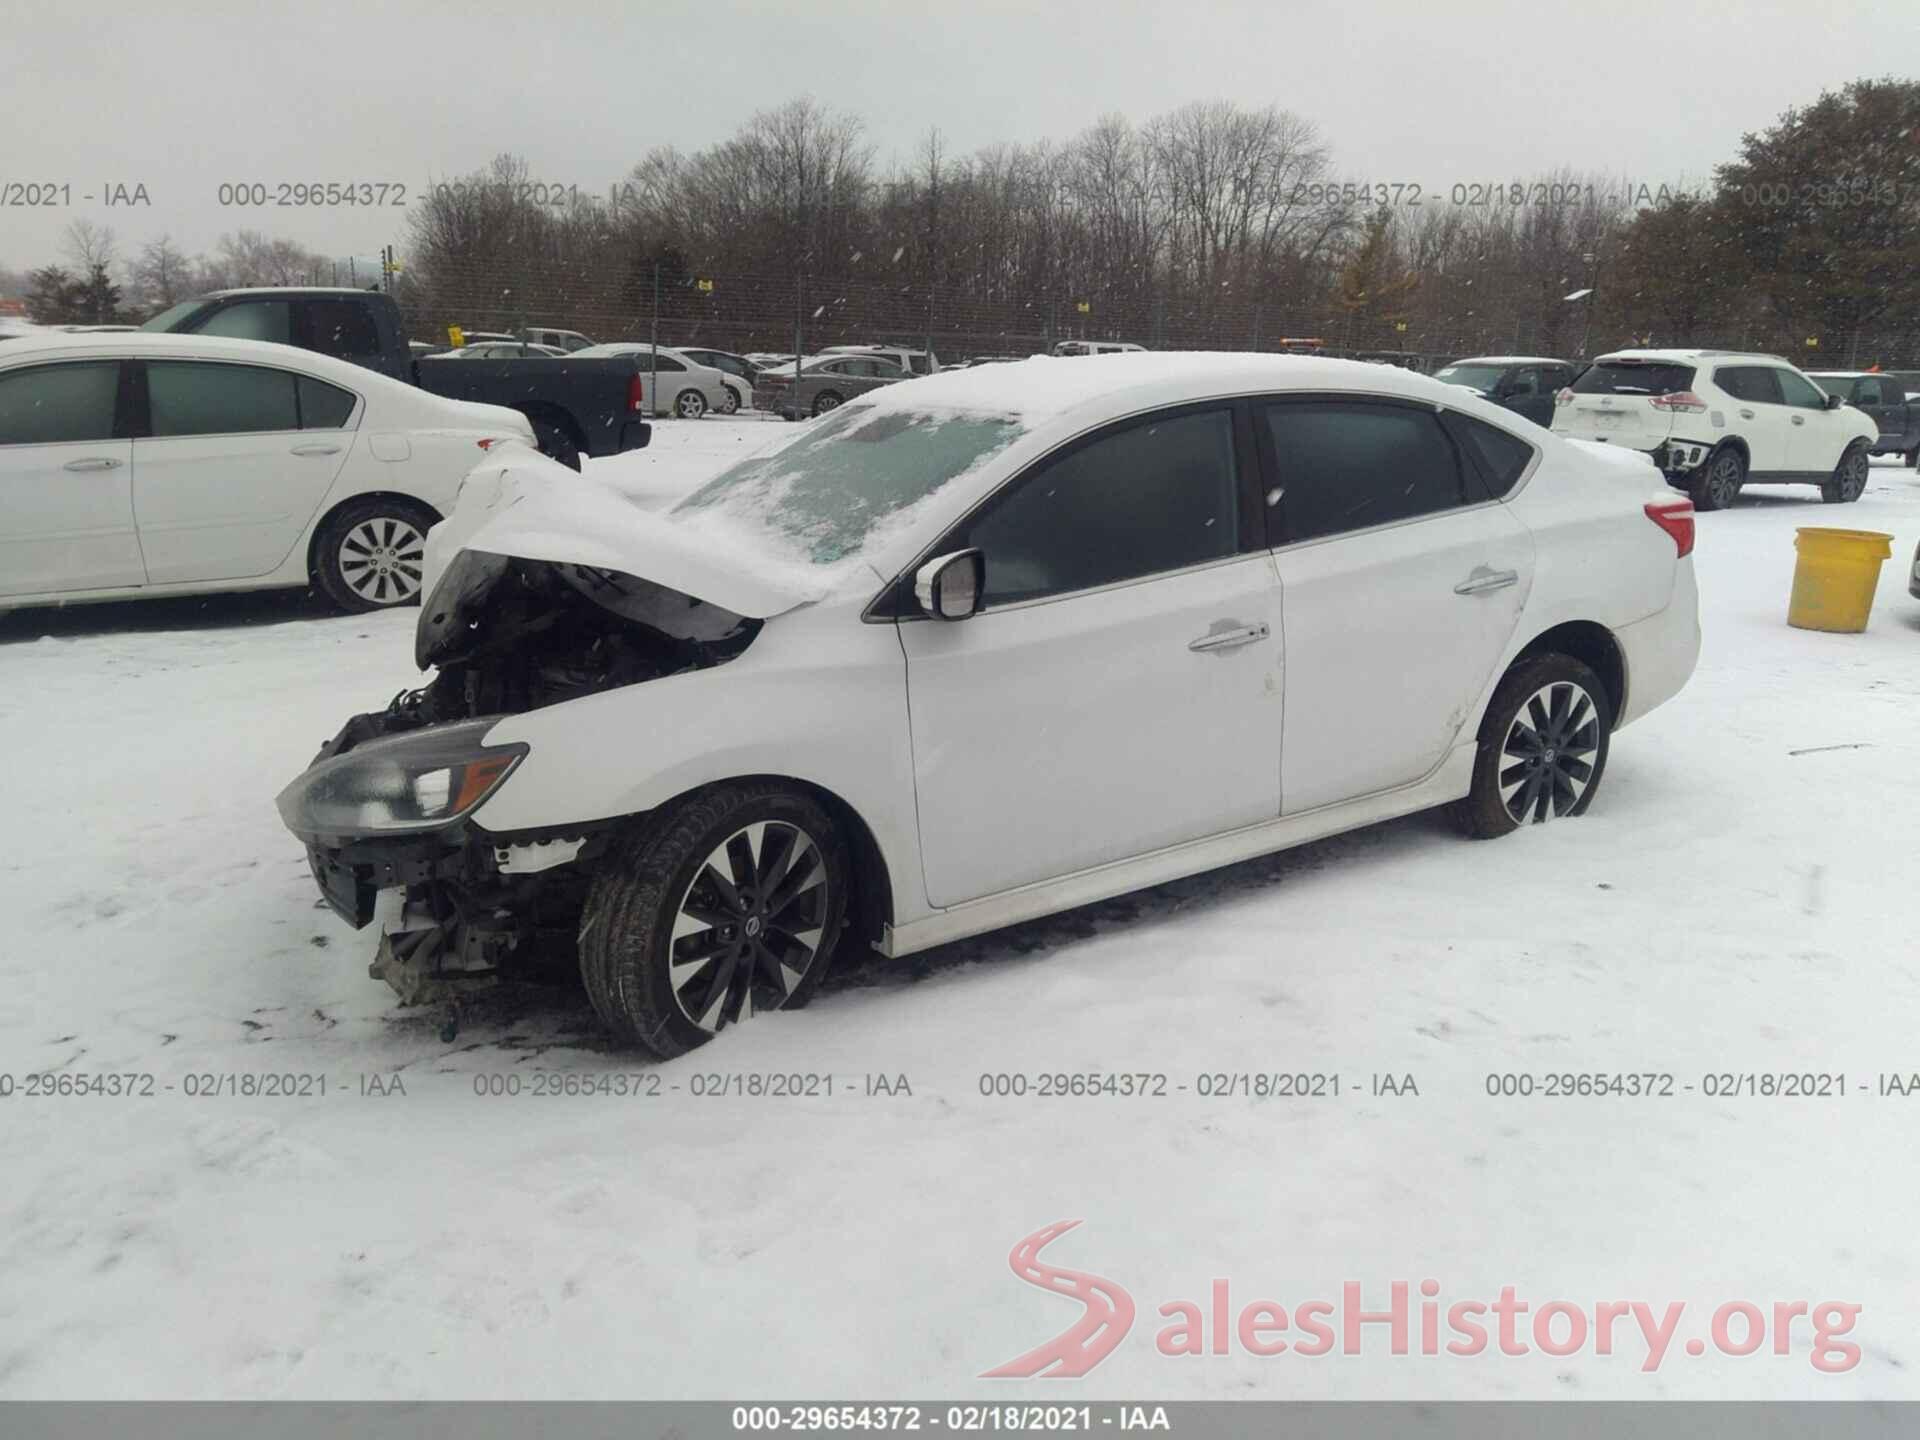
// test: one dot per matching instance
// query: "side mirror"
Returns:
(1834, 402)
(950, 587)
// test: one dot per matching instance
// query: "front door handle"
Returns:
(1799, 419)
(1228, 639)
(1746, 414)
(316, 449)
(1483, 580)
(99, 462)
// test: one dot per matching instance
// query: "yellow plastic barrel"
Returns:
(1834, 577)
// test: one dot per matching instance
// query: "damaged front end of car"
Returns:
(386, 809)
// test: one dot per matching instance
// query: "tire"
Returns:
(826, 400)
(1849, 480)
(1716, 484)
(662, 876)
(1913, 457)
(732, 407)
(690, 405)
(556, 444)
(1543, 693)
(367, 554)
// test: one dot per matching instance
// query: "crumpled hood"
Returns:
(534, 508)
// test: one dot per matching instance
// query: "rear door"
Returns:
(66, 479)
(1402, 581)
(224, 477)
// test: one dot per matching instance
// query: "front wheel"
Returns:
(1849, 480)
(368, 553)
(1543, 748)
(732, 405)
(1716, 484)
(691, 405)
(724, 904)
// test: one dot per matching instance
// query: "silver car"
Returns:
(825, 383)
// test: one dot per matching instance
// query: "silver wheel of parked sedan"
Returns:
(691, 405)
(380, 560)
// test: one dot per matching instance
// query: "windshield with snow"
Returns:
(827, 491)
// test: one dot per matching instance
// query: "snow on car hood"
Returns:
(533, 508)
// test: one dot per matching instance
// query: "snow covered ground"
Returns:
(1739, 900)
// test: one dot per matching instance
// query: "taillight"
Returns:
(636, 393)
(1676, 518)
(1678, 400)
(1564, 396)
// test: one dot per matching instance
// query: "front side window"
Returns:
(58, 404)
(1799, 391)
(251, 320)
(186, 397)
(1347, 465)
(1159, 495)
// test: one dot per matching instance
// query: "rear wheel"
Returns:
(556, 444)
(1543, 748)
(367, 555)
(690, 405)
(722, 905)
(826, 400)
(1849, 480)
(1913, 457)
(1716, 484)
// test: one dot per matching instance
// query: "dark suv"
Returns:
(1525, 384)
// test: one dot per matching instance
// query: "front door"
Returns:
(1120, 690)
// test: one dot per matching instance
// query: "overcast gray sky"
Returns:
(180, 98)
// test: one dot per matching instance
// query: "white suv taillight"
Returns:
(1678, 400)
(1676, 518)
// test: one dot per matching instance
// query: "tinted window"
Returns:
(49, 404)
(1752, 383)
(1525, 381)
(1633, 377)
(323, 406)
(918, 362)
(667, 364)
(1798, 390)
(1156, 496)
(1345, 466)
(189, 398)
(1865, 392)
(1502, 457)
(341, 327)
(253, 320)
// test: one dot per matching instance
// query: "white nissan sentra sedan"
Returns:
(972, 650)
(135, 465)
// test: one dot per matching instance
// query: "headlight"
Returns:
(411, 782)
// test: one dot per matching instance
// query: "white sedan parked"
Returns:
(683, 386)
(136, 464)
(983, 647)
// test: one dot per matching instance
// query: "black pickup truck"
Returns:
(578, 407)
(1884, 397)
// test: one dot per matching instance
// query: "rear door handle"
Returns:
(1799, 419)
(1746, 414)
(1228, 639)
(316, 449)
(1483, 580)
(99, 462)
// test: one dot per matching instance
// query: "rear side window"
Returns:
(1752, 383)
(323, 406)
(1865, 392)
(58, 404)
(341, 327)
(1345, 465)
(919, 363)
(252, 320)
(666, 364)
(1157, 496)
(193, 398)
(1633, 377)
(1502, 458)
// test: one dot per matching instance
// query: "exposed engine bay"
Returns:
(505, 635)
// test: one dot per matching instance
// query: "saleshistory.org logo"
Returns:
(1513, 1326)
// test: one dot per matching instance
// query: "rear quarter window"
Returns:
(1500, 456)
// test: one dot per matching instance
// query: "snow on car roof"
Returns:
(1045, 386)
(1687, 356)
(1505, 360)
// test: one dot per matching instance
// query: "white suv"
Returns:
(1714, 420)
